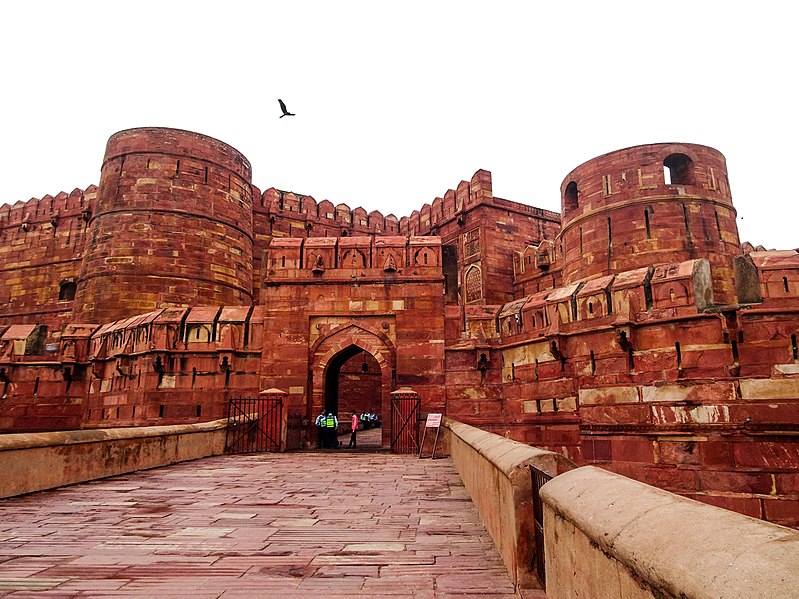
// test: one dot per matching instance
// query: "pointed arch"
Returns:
(334, 349)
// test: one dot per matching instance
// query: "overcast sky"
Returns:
(396, 103)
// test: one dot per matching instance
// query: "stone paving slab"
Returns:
(335, 524)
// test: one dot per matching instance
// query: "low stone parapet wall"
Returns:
(496, 474)
(610, 536)
(36, 461)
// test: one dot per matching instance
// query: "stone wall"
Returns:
(496, 474)
(609, 536)
(42, 242)
(36, 461)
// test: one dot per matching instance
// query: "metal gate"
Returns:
(253, 424)
(539, 478)
(404, 428)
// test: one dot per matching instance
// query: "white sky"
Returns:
(398, 103)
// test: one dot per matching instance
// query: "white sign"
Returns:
(433, 421)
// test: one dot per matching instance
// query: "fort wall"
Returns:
(656, 349)
(42, 242)
(625, 372)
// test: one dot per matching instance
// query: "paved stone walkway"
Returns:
(328, 524)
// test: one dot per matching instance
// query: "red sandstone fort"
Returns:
(631, 331)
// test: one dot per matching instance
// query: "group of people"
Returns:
(369, 420)
(327, 428)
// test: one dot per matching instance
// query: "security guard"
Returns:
(331, 428)
(320, 429)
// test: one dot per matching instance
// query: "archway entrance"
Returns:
(352, 367)
(353, 382)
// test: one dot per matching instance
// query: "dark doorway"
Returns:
(353, 381)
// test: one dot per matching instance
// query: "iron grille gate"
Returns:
(539, 479)
(404, 429)
(253, 425)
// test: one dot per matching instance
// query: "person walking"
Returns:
(320, 429)
(355, 420)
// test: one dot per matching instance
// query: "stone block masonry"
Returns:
(633, 331)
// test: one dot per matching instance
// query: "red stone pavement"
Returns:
(330, 524)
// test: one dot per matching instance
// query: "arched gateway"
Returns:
(335, 354)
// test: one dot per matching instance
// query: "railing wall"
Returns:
(36, 461)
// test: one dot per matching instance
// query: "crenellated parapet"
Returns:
(289, 214)
(48, 210)
(41, 246)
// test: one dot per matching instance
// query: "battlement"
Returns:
(49, 210)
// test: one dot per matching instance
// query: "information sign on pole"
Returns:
(433, 421)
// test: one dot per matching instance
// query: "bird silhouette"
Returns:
(284, 109)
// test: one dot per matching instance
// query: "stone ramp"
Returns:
(289, 525)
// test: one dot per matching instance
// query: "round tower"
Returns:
(651, 204)
(172, 226)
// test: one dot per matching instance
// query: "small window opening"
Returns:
(718, 223)
(678, 353)
(678, 170)
(161, 411)
(592, 358)
(67, 290)
(570, 197)
(199, 410)
(785, 284)
(283, 261)
(646, 222)
(590, 308)
(794, 347)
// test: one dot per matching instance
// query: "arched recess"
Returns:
(330, 352)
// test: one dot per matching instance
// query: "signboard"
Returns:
(433, 421)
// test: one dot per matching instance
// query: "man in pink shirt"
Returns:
(355, 420)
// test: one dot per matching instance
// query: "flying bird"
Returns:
(284, 109)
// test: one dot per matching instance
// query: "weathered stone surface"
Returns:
(379, 525)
